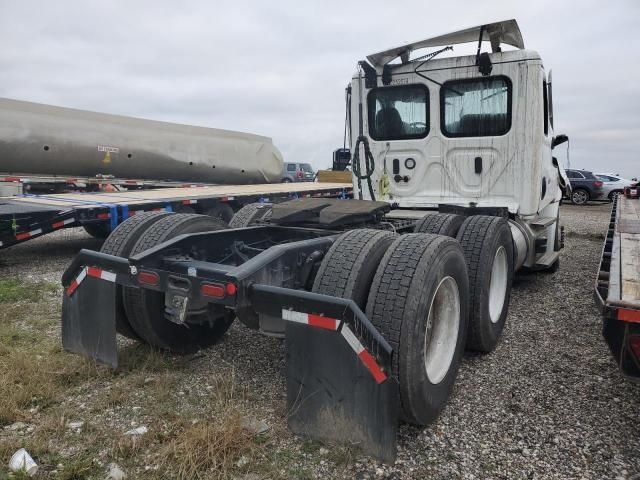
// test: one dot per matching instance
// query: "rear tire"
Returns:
(488, 249)
(249, 214)
(349, 266)
(221, 211)
(120, 243)
(579, 196)
(145, 308)
(419, 302)
(98, 230)
(446, 224)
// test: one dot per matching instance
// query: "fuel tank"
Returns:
(44, 139)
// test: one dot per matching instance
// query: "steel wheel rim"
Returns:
(443, 325)
(579, 196)
(498, 284)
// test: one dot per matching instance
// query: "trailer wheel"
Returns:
(145, 308)
(249, 214)
(446, 224)
(488, 249)
(419, 303)
(98, 230)
(349, 266)
(222, 211)
(120, 243)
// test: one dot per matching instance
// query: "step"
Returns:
(543, 222)
(547, 259)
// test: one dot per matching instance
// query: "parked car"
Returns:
(297, 172)
(614, 184)
(585, 186)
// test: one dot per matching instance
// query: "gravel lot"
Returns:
(548, 403)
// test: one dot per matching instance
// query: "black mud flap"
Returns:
(89, 320)
(332, 396)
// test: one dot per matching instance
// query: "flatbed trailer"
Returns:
(28, 216)
(617, 289)
(42, 183)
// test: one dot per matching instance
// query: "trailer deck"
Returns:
(28, 216)
(617, 289)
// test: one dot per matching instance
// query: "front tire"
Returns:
(488, 250)
(419, 302)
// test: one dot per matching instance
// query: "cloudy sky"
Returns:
(279, 68)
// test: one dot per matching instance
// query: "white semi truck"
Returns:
(376, 297)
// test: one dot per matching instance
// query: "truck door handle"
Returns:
(478, 165)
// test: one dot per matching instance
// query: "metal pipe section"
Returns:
(520, 245)
(43, 139)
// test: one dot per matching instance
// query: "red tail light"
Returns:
(212, 290)
(148, 278)
(634, 343)
(597, 184)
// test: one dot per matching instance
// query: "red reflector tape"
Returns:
(32, 233)
(189, 202)
(63, 223)
(309, 319)
(104, 215)
(366, 358)
(628, 315)
(211, 290)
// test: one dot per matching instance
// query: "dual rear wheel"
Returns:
(429, 295)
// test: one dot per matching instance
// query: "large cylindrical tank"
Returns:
(43, 139)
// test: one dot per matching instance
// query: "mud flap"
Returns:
(332, 396)
(89, 320)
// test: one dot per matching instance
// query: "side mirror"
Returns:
(559, 140)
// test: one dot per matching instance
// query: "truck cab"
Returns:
(469, 131)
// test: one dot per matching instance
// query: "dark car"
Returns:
(585, 186)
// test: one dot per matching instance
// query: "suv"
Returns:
(297, 172)
(614, 184)
(584, 186)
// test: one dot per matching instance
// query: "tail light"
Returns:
(213, 290)
(299, 174)
(597, 184)
(634, 344)
(148, 278)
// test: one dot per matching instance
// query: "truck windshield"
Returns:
(398, 113)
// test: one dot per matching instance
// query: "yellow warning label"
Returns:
(107, 158)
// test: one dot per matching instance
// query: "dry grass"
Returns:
(194, 431)
(208, 449)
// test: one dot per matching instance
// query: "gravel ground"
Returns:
(548, 403)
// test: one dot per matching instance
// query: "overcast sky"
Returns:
(279, 68)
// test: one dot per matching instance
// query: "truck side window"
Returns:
(398, 113)
(476, 107)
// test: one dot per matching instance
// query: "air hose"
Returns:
(370, 163)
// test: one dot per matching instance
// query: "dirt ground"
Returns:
(548, 403)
